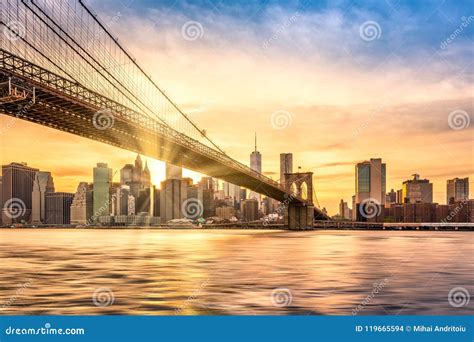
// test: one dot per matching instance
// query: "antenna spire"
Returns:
(255, 141)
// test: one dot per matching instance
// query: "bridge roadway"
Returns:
(48, 99)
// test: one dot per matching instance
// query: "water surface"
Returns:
(233, 272)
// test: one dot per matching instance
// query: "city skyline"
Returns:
(117, 178)
(331, 109)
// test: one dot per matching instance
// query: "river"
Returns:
(235, 272)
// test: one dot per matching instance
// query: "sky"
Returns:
(333, 82)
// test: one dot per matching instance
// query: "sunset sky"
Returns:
(404, 94)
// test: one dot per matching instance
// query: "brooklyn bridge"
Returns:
(60, 67)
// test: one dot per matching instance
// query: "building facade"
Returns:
(17, 190)
(81, 206)
(42, 185)
(457, 189)
(58, 207)
(417, 190)
(102, 185)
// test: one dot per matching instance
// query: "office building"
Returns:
(58, 207)
(42, 185)
(344, 211)
(250, 210)
(102, 185)
(370, 183)
(417, 190)
(172, 197)
(286, 166)
(256, 165)
(391, 198)
(17, 190)
(457, 189)
(81, 206)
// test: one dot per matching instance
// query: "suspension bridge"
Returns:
(61, 67)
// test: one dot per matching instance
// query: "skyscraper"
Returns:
(286, 166)
(370, 183)
(58, 207)
(417, 190)
(102, 183)
(173, 171)
(81, 206)
(172, 196)
(43, 184)
(457, 189)
(256, 165)
(17, 189)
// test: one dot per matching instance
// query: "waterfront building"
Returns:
(286, 166)
(344, 211)
(391, 198)
(172, 197)
(58, 207)
(17, 190)
(457, 189)
(250, 210)
(102, 184)
(42, 185)
(81, 206)
(225, 213)
(370, 183)
(417, 190)
(143, 202)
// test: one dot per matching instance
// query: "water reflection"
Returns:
(191, 272)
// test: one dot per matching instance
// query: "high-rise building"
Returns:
(102, 184)
(370, 183)
(58, 207)
(417, 190)
(344, 211)
(172, 197)
(81, 206)
(146, 177)
(457, 189)
(391, 197)
(143, 202)
(42, 185)
(286, 166)
(156, 202)
(126, 174)
(256, 165)
(250, 210)
(173, 171)
(17, 189)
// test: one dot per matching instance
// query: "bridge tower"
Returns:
(299, 216)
